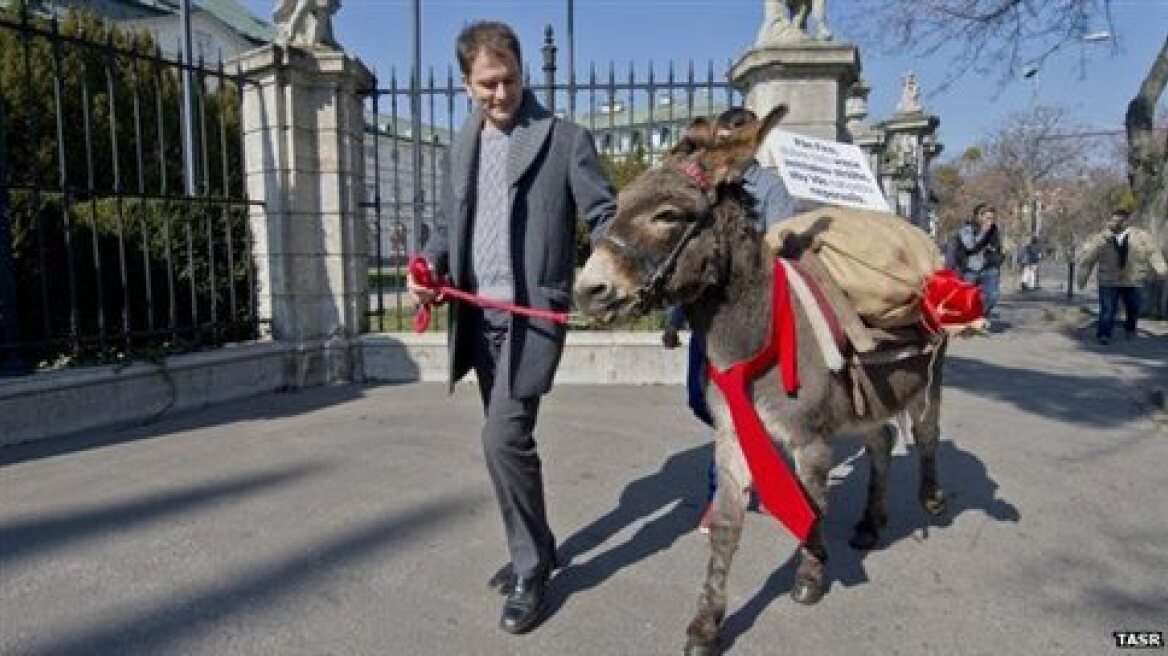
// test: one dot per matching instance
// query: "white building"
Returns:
(389, 169)
(621, 129)
(220, 29)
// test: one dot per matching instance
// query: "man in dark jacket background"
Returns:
(975, 253)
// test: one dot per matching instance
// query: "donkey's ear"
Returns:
(764, 127)
(730, 159)
(734, 154)
(699, 134)
(731, 169)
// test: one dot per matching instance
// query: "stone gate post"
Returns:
(910, 146)
(812, 78)
(303, 126)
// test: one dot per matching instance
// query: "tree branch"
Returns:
(1147, 162)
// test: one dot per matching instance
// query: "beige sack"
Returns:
(879, 260)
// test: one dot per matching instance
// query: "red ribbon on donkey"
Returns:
(779, 492)
(948, 300)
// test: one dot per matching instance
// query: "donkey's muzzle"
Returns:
(597, 299)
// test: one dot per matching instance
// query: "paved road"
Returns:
(356, 520)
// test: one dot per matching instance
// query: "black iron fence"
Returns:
(104, 255)
(635, 117)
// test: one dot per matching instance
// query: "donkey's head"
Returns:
(672, 234)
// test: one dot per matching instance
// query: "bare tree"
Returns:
(1075, 205)
(1148, 155)
(985, 36)
(1014, 167)
(1027, 152)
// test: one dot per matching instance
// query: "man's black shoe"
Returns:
(525, 605)
(503, 581)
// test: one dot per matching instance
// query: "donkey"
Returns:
(684, 234)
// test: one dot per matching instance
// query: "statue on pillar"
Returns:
(910, 95)
(306, 23)
(785, 21)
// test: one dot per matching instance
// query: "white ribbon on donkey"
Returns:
(819, 325)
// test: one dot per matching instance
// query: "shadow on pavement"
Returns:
(38, 536)
(158, 629)
(268, 406)
(681, 482)
(1087, 400)
(967, 485)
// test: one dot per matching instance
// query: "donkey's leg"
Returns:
(812, 461)
(878, 444)
(926, 415)
(729, 511)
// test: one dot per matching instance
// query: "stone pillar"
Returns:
(910, 147)
(860, 132)
(812, 77)
(303, 125)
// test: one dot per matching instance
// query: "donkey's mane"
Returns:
(735, 222)
(732, 263)
(734, 215)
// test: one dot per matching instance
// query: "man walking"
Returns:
(1125, 257)
(518, 178)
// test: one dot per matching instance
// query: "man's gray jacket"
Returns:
(554, 176)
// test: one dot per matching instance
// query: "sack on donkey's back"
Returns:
(879, 260)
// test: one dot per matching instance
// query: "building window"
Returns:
(202, 45)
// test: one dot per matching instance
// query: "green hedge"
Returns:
(145, 274)
(125, 277)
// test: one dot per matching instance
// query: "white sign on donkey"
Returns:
(825, 171)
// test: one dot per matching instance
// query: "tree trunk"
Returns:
(1148, 167)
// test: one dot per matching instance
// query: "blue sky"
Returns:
(1093, 82)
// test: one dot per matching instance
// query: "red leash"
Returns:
(419, 270)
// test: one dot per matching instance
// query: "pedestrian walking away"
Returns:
(1029, 256)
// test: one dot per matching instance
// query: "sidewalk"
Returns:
(1141, 362)
(357, 521)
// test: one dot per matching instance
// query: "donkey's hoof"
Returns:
(695, 648)
(934, 503)
(808, 591)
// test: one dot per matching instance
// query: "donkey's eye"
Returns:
(668, 215)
